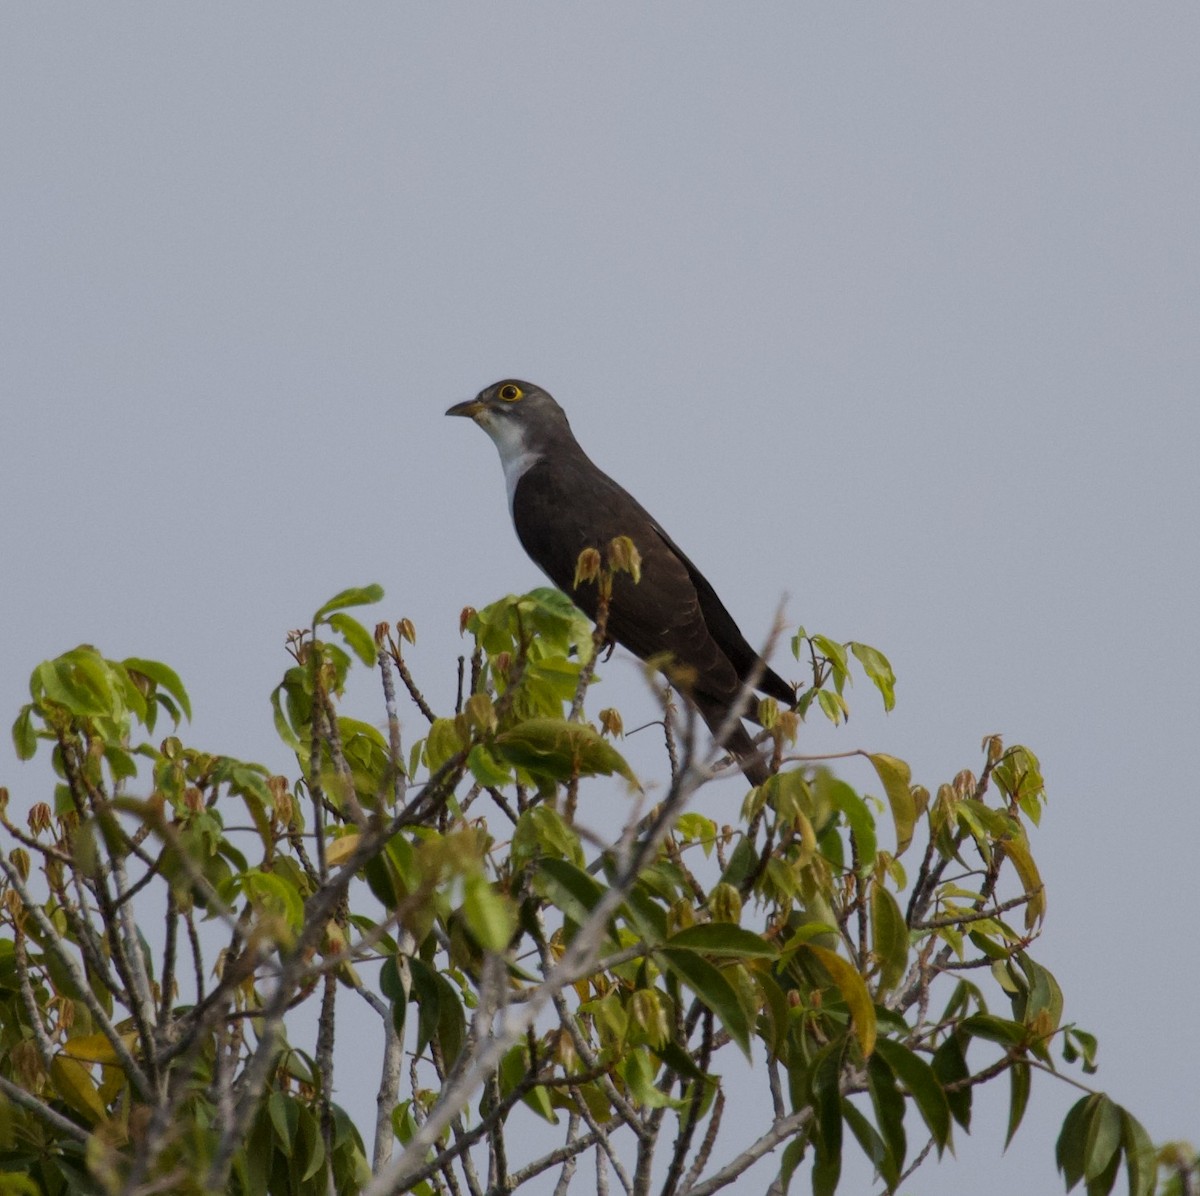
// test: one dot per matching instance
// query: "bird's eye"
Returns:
(510, 393)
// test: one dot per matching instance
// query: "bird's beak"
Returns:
(471, 408)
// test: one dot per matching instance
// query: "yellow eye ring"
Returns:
(510, 393)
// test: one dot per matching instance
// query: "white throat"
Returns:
(515, 456)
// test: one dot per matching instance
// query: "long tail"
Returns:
(737, 742)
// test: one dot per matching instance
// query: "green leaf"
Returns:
(285, 1119)
(1019, 1075)
(514, 1067)
(358, 639)
(269, 891)
(162, 676)
(922, 1082)
(74, 1084)
(1141, 1159)
(996, 1029)
(355, 596)
(793, 1156)
(638, 1071)
(489, 914)
(896, 778)
(858, 817)
(833, 705)
(876, 666)
(889, 1111)
(723, 938)
(1072, 1139)
(559, 750)
(1017, 849)
(889, 936)
(1102, 1138)
(713, 989)
(568, 888)
(1078, 1044)
(949, 1065)
(23, 735)
(854, 992)
(313, 1152)
(874, 1147)
(77, 681)
(836, 655)
(444, 742)
(486, 769)
(645, 914)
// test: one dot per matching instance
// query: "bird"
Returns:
(561, 503)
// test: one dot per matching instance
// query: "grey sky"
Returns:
(891, 309)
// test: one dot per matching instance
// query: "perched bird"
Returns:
(561, 503)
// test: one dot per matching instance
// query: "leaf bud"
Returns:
(725, 904)
(623, 557)
(481, 714)
(680, 916)
(964, 784)
(587, 567)
(14, 907)
(649, 1014)
(993, 745)
(611, 722)
(464, 617)
(564, 1052)
(39, 817)
(407, 630)
(19, 858)
(768, 713)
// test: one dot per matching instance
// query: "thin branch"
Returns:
(54, 944)
(782, 1129)
(29, 1102)
(578, 961)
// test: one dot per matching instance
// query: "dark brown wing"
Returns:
(563, 507)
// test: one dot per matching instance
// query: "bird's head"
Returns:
(520, 417)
